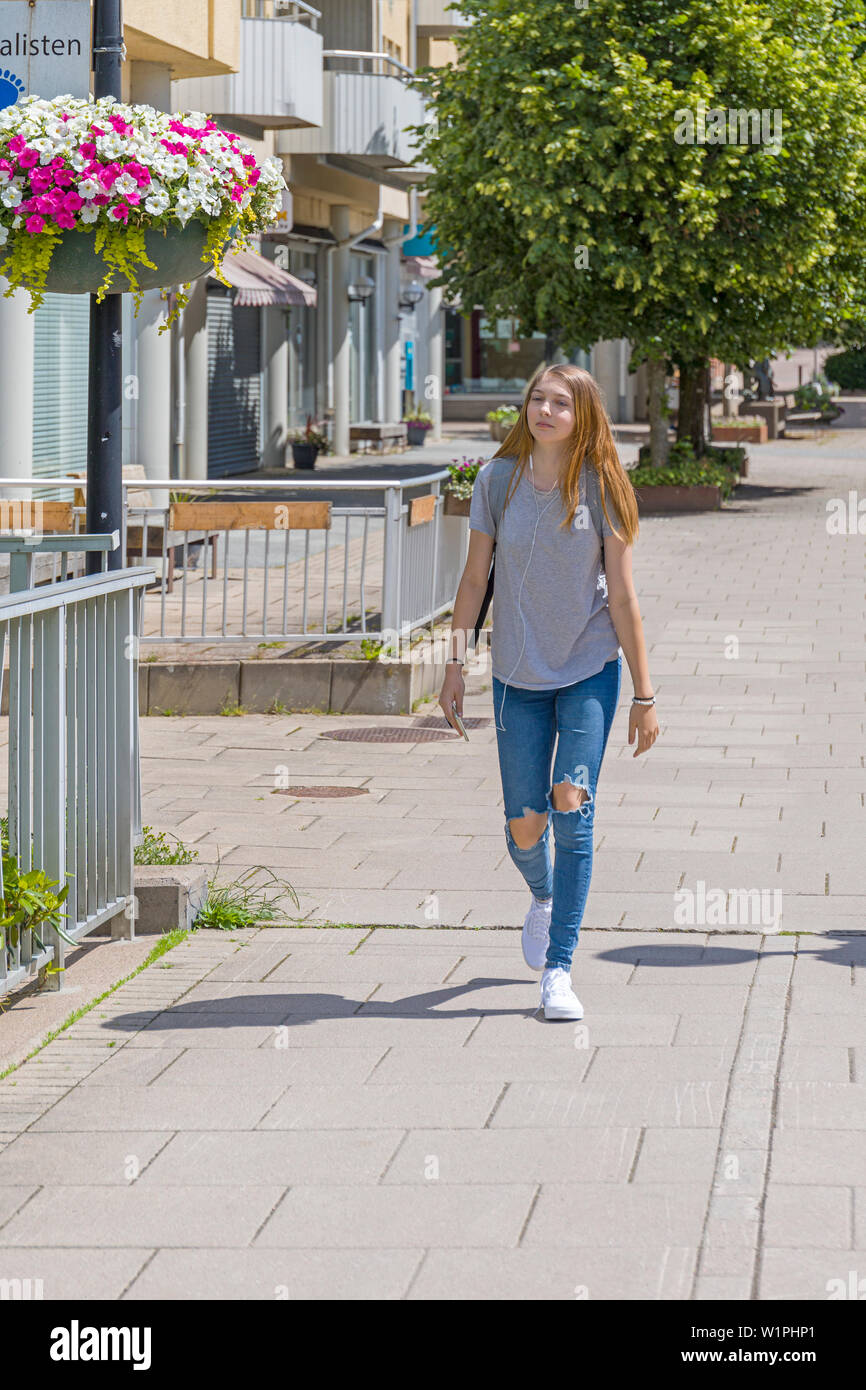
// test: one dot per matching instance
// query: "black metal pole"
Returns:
(105, 369)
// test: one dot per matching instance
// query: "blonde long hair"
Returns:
(592, 441)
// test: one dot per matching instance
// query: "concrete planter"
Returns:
(499, 430)
(670, 497)
(77, 269)
(740, 434)
(328, 686)
(773, 412)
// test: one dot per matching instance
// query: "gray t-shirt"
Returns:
(569, 635)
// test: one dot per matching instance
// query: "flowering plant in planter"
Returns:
(503, 415)
(419, 419)
(123, 183)
(463, 474)
(311, 435)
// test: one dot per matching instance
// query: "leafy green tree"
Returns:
(569, 190)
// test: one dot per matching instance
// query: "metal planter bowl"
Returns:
(76, 268)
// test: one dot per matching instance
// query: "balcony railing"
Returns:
(279, 81)
(293, 10)
(368, 104)
(437, 21)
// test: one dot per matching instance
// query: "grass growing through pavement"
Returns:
(243, 902)
(155, 849)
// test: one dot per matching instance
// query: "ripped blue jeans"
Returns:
(577, 718)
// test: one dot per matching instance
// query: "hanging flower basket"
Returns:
(100, 197)
(78, 268)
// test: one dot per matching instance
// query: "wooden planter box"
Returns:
(455, 506)
(670, 497)
(740, 434)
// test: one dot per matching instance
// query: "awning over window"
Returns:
(424, 266)
(257, 281)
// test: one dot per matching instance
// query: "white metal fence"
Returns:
(74, 806)
(266, 566)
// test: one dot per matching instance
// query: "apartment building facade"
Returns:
(343, 326)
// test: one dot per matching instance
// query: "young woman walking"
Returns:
(555, 498)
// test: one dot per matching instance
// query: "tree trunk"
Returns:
(657, 411)
(691, 418)
(552, 342)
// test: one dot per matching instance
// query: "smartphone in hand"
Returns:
(461, 726)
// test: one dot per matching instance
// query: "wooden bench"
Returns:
(380, 433)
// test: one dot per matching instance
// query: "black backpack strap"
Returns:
(501, 471)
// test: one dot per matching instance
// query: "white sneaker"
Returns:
(558, 999)
(536, 932)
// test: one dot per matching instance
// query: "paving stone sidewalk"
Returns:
(379, 1111)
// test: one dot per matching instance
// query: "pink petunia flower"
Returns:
(34, 224)
(28, 158)
(17, 143)
(120, 212)
(139, 172)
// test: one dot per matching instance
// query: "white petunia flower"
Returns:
(89, 212)
(125, 184)
(157, 204)
(11, 196)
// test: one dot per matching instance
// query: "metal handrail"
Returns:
(74, 790)
(364, 53)
(23, 602)
(391, 564)
(206, 485)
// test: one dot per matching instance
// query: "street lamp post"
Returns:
(105, 368)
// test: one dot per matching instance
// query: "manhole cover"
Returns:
(432, 721)
(320, 791)
(411, 735)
